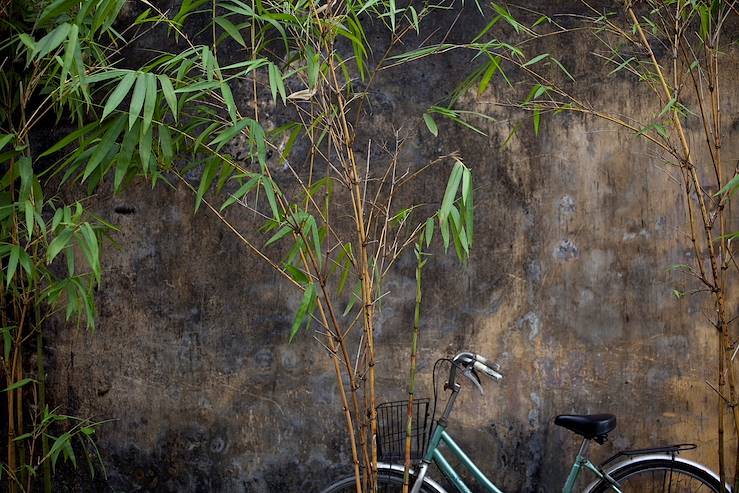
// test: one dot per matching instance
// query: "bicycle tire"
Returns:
(389, 481)
(660, 475)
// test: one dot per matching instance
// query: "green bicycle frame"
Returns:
(440, 436)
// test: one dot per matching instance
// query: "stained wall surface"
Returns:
(568, 289)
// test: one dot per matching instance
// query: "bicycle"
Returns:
(642, 470)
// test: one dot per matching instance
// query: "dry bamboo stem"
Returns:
(687, 161)
(412, 371)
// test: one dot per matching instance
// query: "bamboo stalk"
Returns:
(687, 161)
(412, 371)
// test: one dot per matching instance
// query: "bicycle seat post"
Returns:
(584, 446)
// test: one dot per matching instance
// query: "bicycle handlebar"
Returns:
(469, 362)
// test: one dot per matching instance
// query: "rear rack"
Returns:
(667, 449)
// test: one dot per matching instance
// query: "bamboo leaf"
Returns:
(12, 264)
(58, 244)
(18, 384)
(269, 191)
(229, 100)
(444, 229)
(209, 173)
(429, 231)
(145, 139)
(5, 138)
(451, 190)
(150, 101)
(296, 274)
(231, 30)
(137, 99)
(305, 309)
(313, 65)
(125, 154)
(730, 186)
(29, 213)
(622, 65)
(493, 66)
(431, 124)
(69, 138)
(284, 231)
(165, 144)
(536, 59)
(276, 83)
(51, 41)
(230, 133)
(69, 54)
(105, 145)
(243, 190)
(169, 94)
(119, 93)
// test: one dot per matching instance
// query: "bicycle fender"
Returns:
(643, 458)
(399, 468)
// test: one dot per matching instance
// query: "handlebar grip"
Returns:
(482, 367)
(484, 361)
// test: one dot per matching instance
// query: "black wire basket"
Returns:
(391, 428)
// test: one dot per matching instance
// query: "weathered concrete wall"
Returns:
(567, 288)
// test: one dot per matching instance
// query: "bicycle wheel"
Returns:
(660, 476)
(388, 481)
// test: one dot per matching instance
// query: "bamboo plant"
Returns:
(676, 50)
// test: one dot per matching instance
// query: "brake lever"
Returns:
(472, 375)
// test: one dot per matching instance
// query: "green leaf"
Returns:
(209, 174)
(165, 144)
(150, 101)
(137, 99)
(69, 138)
(305, 309)
(536, 59)
(269, 191)
(92, 242)
(4, 139)
(622, 65)
(29, 213)
(296, 274)
(313, 65)
(563, 69)
(451, 190)
(69, 54)
(125, 154)
(51, 41)
(169, 94)
(429, 231)
(232, 30)
(431, 124)
(243, 190)
(444, 229)
(537, 118)
(229, 100)
(493, 66)
(58, 244)
(145, 139)
(284, 231)
(18, 384)
(12, 264)
(276, 83)
(119, 93)
(730, 186)
(230, 133)
(105, 145)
